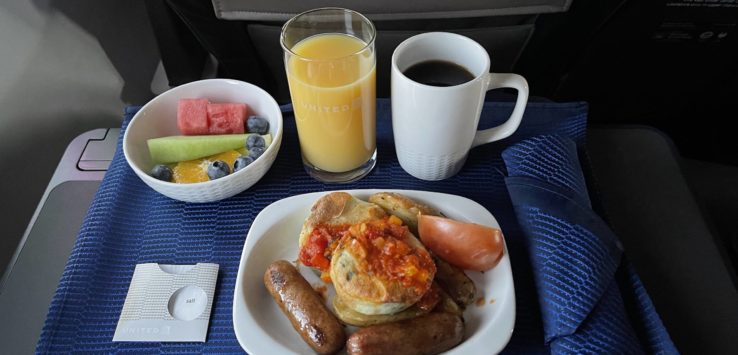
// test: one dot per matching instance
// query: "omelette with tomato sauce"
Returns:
(376, 265)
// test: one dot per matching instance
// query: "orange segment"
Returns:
(191, 171)
(187, 172)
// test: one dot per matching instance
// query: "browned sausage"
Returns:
(455, 282)
(304, 307)
(429, 334)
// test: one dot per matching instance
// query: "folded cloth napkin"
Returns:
(576, 257)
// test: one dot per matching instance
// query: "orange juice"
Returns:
(332, 84)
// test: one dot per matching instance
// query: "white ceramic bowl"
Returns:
(158, 118)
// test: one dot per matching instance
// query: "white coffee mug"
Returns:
(435, 127)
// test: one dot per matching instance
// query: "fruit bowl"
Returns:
(158, 118)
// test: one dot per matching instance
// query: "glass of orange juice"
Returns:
(330, 62)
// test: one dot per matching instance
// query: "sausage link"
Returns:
(304, 307)
(430, 334)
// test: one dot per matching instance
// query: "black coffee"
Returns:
(438, 73)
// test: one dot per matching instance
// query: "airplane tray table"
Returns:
(128, 223)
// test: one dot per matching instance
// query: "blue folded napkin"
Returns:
(579, 270)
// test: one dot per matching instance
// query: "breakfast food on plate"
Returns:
(328, 221)
(451, 279)
(352, 317)
(376, 265)
(404, 208)
(469, 246)
(430, 334)
(380, 268)
(447, 304)
(304, 307)
(432, 300)
(408, 300)
(455, 283)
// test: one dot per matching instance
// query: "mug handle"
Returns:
(505, 80)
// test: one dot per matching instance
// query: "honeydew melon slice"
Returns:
(174, 149)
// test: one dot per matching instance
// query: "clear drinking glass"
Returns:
(330, 62)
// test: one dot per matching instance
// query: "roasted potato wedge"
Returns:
(448, 305)
(403, 207)
(351, 317)
(455, 282)
(339, 208)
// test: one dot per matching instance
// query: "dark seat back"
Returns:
(503, 27)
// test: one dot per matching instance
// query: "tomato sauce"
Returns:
(318, 248)
(383, 250)
(381, 247)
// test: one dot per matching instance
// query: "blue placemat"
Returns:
(128, 223)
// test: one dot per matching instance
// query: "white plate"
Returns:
(262, 328)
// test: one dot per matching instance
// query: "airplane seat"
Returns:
(502, 27)
(661, 80)
(646, 192)
(716, 187)
(248, 46)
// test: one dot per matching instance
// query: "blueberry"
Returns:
(256, 152)
(161, 172)
(242, 162)
(218, 169)
(255, 140)
(256, 124)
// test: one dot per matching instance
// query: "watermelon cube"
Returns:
(192, 116)
(226, 118)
